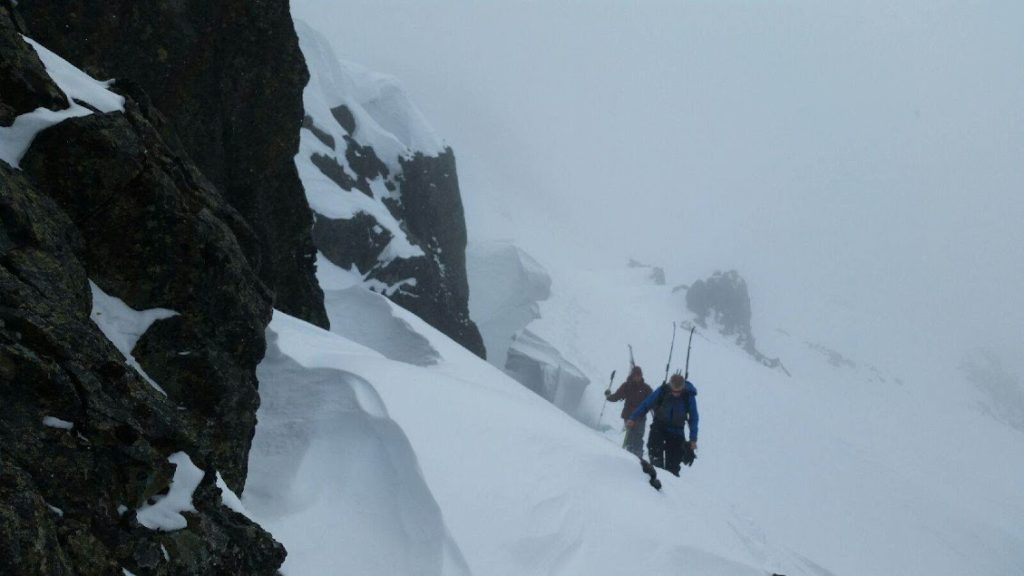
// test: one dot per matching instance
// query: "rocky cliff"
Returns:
(132, 319)
(228, 77)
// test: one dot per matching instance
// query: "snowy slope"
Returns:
(394, 465)
(523, 488)
(859, 473)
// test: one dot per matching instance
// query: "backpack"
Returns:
(662, 418)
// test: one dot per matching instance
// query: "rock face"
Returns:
(723, 300)
(228, 76)
(24, 84)
(85, 438)
(431, 208)
(384, 191)
(159, 237)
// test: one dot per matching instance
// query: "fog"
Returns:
(861, 164)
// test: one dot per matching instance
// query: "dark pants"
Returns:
(665, 448)
(634, 441)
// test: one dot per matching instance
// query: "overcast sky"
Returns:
(860, 163)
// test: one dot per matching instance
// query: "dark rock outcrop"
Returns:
(336, 239)
(228, 76)
(158, 236)
(431, 209)
(724, 300)
(429, 206)
(85, 439)
(24, 83)
(389, 207)
(343, 115)
(68, 491)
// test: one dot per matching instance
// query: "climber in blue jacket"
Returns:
(674, 405)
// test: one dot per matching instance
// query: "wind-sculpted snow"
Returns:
(366, 317)
(507, 286)
(540, 367)
(332, 476)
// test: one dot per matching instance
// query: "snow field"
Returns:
(522, 488)
(858, 475)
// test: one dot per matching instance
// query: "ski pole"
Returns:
(609, 389)
(632, 364)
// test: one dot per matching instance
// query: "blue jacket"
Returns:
(684, 406)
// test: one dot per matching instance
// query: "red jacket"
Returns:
(634, 393)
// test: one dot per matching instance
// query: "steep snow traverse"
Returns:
(509, 484)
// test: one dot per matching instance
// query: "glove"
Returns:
(688, 454)
(607, 393)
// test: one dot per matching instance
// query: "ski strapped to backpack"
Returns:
(686, 375)
(670, 349)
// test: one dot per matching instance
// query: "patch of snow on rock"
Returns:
(77, 85)
(165, 514)
(123, 325)
(54, 422)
